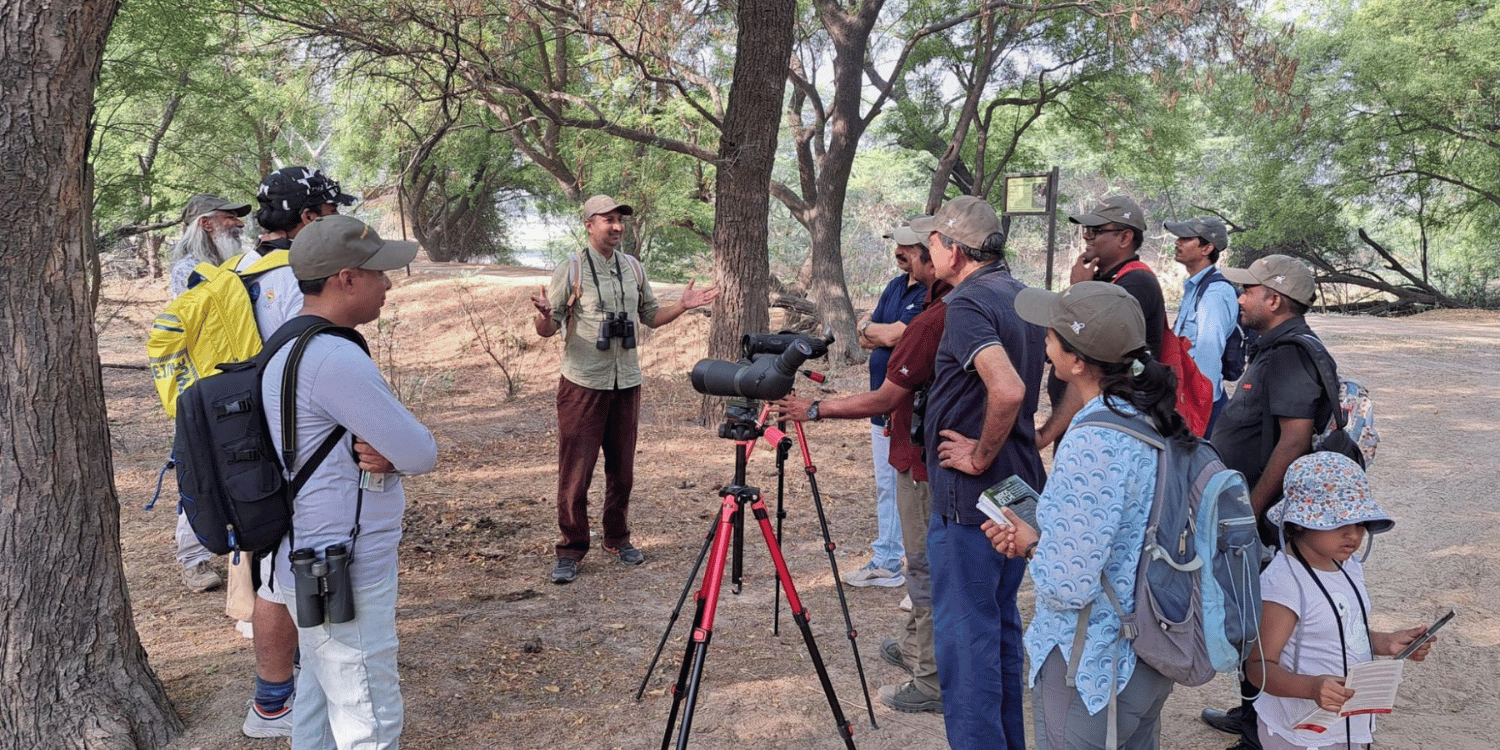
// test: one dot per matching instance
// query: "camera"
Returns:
(616, 325)
(323, 587)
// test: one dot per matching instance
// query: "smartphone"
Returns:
(1425, 637)
(1013, 493)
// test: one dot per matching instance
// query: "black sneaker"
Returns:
(627, 553)
(1228, 722)
(890, 651)
(565, 570)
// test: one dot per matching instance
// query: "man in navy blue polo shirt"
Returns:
(980, 430)
(879, 333)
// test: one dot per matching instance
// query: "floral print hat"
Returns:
(1327, 490)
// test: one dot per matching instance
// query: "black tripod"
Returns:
(744, 427)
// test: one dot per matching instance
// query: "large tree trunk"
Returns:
(75, 673)
(747, 152)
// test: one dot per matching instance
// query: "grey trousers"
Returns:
(1063, 723)
(914, 506)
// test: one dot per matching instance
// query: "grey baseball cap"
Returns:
(966, 219)
(203, 203)
(903, 235)
(1118, 209)
(1102, 321)
(1207, 227)
(1282, 273)
(332, 243)
(603, 204)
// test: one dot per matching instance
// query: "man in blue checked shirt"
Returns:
(1209, 309)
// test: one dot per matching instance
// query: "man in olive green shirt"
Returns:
(598, 300)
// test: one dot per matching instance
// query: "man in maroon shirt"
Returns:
(909, 370)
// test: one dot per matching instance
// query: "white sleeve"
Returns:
(351, 389)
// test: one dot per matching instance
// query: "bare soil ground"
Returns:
(494, 655)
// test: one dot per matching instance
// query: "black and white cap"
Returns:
(296, 188)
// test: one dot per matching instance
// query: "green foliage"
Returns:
(194, 98)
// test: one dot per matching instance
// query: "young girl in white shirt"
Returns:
(1315, 613)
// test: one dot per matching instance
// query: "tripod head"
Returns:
(742, 420)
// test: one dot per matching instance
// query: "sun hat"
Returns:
(332, 243)
(297, 188)
(1118, 209)
(603, 204)
(1281, 273)
(967, 220)
(905, 235)
(1326, 490)
(1102, 321)
(1207, 227)
(203, 203)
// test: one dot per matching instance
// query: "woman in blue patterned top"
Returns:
(1091, 523)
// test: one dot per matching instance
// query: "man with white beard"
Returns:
(212, 230)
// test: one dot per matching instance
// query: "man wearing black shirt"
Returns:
(1279, 392)
(1112, 236)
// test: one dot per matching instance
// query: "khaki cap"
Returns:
(1207, 227)
(332, 243)
(1118, 209)
(967, 220)
(603, 204)
(1281, 273)
(1101, 321)
(203, 203)
(903, 235)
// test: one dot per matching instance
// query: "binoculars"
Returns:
(616, 325)
(323, 588)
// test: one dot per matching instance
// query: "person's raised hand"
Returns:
(692, 298)
(539, 300)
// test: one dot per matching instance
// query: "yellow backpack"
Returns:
(211, 323)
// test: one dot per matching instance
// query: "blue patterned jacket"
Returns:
(1092, 519)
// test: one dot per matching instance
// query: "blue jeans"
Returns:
(887, 549)
(977, 635)
(349, 694)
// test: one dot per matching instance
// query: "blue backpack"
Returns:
(1238, 344)
(1197, 590)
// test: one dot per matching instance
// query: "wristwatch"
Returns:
(812, 411)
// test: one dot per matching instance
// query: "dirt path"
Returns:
(493, 655)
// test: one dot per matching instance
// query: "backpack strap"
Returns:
(575, 280)
(1140, 428)
(1314, 350)
(1131, 267)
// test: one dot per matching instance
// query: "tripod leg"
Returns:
(781, 451)
(677, 610)
(799, 616)
(703, 626)
(838, 581)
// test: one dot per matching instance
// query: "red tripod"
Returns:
(726, 530)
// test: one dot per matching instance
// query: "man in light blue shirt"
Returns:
(1210, 309)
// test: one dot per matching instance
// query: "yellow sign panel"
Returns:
(1026, 194)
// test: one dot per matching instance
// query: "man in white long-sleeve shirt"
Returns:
(348, 694)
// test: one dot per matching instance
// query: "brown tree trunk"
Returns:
(75, 673)
(747, 152)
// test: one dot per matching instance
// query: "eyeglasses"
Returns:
(1092, 232)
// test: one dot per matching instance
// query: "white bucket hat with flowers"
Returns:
(1327, 490)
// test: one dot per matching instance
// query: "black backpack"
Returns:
(1232, 363)
(231, 484)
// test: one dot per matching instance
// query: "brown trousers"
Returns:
(588, 420)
